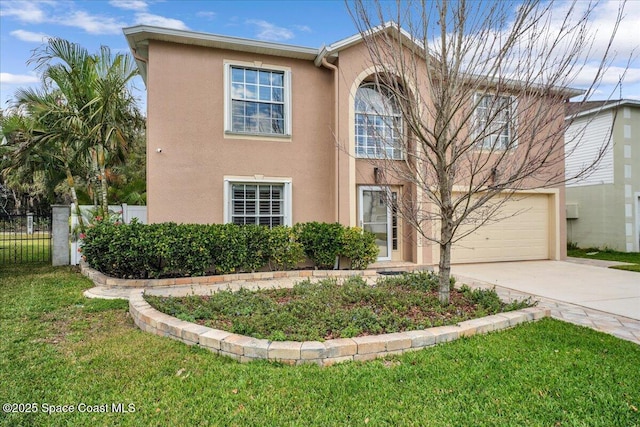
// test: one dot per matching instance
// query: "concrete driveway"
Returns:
(605, 289)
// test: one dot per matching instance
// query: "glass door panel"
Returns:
(374, 217)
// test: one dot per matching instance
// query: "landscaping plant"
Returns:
(135, 250)
(330, 309)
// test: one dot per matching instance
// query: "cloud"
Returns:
(270, 32)
(206, 14)
(18, 79)
(27, 12)
(611, 77)
(92, 24)
(303, 28)
(28, 36)
(60, 13)
(138, 5)
(160, 21)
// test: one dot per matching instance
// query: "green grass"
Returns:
(609, 255)
(59, 348)
(330, 309)
(23, 248)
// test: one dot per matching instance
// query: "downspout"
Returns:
(336, 91)
(138, 57)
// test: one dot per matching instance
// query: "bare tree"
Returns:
(481, 89)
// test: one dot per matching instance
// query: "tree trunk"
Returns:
(104, 187)
(444, 266)
(104, 202)
(74, 197)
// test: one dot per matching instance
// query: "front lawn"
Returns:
(329, 309)
(23, 248)
(58, 348)
(609, 255)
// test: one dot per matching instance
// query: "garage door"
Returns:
(523, 234)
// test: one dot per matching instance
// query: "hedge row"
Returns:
(139, 251)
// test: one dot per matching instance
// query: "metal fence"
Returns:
(25, 238)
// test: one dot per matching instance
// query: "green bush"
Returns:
(359, 246)
(184, 250)
(121, 250)
(256, 240)
(138, 251)
(227, 249)
(285, 250)
(321, 241)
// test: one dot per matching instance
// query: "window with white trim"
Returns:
(260, 202)
(257, 101)
(494, 121)
(378, 126)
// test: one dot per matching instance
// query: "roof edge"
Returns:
(150, 32)
(601, 108)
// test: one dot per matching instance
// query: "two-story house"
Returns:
(603, 207)
(254, 132)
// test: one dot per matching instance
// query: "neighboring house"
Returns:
(248, 131)
(603, 208)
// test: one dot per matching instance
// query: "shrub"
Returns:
(184, 250)
(171, 250)
(359, 246)
(285, 250)
(120, 250)
(256, 240)
(321, 241)
(228, 250)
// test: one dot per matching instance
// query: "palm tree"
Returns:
(85, 111)
(42, 137)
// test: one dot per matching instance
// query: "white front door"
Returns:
(375, 216)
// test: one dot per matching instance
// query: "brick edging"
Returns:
(246, 349)
(101, 279)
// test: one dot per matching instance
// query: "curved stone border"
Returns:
(103, 280)
(246, 349)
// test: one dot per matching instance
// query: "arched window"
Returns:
(378, 123)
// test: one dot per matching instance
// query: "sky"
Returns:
(26, 24)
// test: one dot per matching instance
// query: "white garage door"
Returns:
(523, 234)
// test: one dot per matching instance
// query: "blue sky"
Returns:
(25, 24)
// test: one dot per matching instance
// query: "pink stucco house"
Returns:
(249, 131)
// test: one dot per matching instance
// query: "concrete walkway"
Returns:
(589, 295)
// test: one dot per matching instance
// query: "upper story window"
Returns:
(494, 121)
(258, 101)
(378, 127)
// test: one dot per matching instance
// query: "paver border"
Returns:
(247, 349)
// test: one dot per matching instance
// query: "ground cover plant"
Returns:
(59, 348)
(609, 255)
(331, 309)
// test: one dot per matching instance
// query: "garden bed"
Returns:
(330, 309)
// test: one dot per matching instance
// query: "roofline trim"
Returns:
(231, 41)
(619, 103)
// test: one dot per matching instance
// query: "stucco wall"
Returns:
(186, 121)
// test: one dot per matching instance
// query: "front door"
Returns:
(375, 216)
